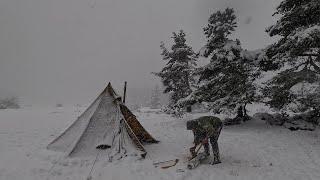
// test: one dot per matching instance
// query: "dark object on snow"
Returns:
(207, 128)
(300, 126)
(293, 128)
(262, 116)
(103, 146)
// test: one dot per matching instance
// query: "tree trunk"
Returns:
(245, 109)
(189, 109)
(240, 112)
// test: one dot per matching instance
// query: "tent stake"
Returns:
(124, 92)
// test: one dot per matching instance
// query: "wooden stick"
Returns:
(160, 162)
(175, 163)
(196, 152)
(124, 92)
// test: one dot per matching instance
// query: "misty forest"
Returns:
(189, 90)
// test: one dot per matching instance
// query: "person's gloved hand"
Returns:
(205, 141)
(193, 151)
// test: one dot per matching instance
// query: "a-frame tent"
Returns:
(106, 124)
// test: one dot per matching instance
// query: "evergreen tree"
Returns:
(227, 80)
(176, 75)
(155, 98)
(296, 54)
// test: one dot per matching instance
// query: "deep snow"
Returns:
(252, 150)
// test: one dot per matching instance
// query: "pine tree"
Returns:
(155, 98)
(296, 54)
(227, 80)
(176, 75)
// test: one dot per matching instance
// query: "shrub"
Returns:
(9, 103)
(59, 105)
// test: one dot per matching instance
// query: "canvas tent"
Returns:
(106, 124)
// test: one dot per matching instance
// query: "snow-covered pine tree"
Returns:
(296, 54)
(227, 80)
(155, 98)
(176, 76)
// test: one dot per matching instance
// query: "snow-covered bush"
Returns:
(272, 119)
(312, 117)
(299, 122)
(9, 103)
(278, 119)
(305, 121)
(230, 121)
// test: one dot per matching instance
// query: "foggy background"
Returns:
(66, 51)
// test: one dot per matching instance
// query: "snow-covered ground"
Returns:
(249, 151)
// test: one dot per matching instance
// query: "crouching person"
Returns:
(205, 129)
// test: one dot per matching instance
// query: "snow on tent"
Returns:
(107, 126)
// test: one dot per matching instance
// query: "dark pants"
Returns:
(215, 147)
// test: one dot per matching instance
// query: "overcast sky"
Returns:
(67, 50)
